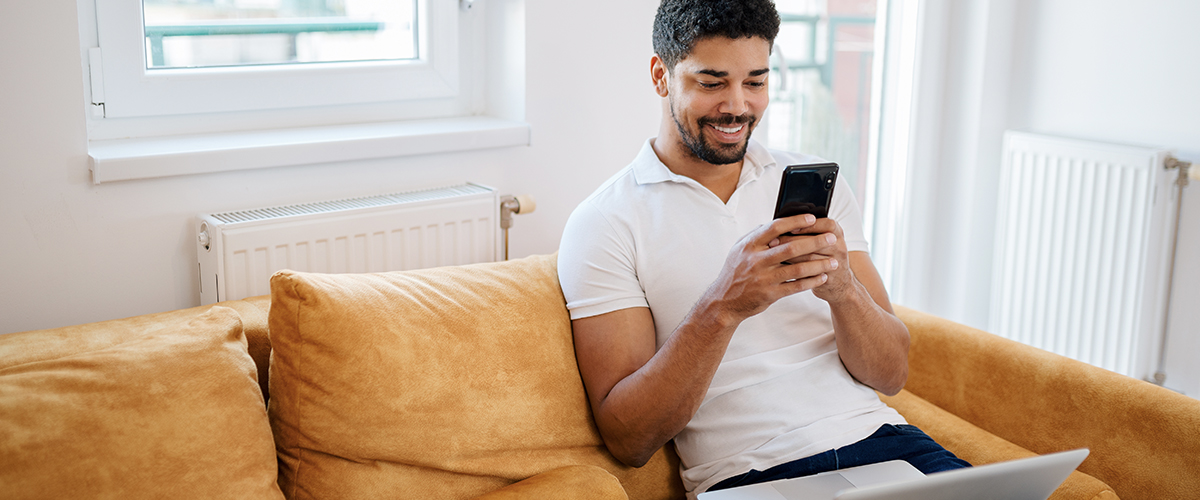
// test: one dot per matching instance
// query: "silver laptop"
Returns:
(1033, 478)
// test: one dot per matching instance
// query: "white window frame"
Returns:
(133, 90)
(459, 94)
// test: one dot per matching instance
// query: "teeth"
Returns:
(729, 130)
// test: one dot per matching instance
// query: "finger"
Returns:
(798, 246)
(807, 269)
(806, 258)
(824, 225)
(789, 237)
(785, 225)
(804, 284)
(833, 250)
(828, 226)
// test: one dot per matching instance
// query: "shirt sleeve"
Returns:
(846, 212)
(597, 265)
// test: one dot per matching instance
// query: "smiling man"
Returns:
(689, 325)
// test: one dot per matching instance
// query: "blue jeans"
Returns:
(890, 442)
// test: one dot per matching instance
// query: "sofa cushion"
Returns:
(155, 406)
(583, 482)
(437, 383)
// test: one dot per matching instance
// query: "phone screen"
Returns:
(806, 189)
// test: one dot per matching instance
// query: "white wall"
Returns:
(72, 252)
(1125, 72)
(1105, 70)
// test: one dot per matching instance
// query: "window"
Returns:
(189, 86)
(164, 57)
(846, 95)
(821, 104)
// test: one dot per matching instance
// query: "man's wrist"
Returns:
(715, 313)
(851, 294)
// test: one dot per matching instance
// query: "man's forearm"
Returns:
(872, 342)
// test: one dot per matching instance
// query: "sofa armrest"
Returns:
(571, 482)
(980, 447)
(1143, 437)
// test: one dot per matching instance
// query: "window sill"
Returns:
(125, 159)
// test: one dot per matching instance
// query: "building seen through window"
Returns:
(214, 33)
(822, 106)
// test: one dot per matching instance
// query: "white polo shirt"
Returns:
(650, 238)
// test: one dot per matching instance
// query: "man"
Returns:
(689, 325)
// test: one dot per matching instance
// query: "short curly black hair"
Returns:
(679, 24)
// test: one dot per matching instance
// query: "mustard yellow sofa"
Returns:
(460, 382)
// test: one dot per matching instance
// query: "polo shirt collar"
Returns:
(648, 169)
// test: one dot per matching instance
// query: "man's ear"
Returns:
(659, 75)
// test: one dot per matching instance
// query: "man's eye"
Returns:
(757, 84)
(709, 85)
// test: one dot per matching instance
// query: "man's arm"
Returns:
(640, 397)
(872, 342)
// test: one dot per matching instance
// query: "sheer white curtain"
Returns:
(942, 118)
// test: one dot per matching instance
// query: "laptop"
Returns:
(1033, 478)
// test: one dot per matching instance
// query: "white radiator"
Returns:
(239, 251)
(1082, 250)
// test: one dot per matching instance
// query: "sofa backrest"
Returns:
(253, 311)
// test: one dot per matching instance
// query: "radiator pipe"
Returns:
(1181, 181)
(509, 205)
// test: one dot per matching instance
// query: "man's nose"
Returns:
(734, 101)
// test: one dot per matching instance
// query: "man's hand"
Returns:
(840, 277)
(872, 342)
(755, 274)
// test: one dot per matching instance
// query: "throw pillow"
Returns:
(437, 383)
(159, 406)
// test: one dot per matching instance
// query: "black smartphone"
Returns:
(806, 189)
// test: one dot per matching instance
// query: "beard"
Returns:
(716, 154)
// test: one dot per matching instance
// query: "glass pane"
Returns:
(825, 107)
(207, 33)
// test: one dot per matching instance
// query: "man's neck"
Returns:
(722, 180)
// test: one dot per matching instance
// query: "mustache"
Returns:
(727, 120)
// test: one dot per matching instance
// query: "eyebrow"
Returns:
(722, 74)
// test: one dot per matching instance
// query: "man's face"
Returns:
(717, 95)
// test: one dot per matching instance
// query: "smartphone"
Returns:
(806, 189)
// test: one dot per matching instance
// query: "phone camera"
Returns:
(829, 181)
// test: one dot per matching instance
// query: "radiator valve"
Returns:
(204, 239)
(1186, 170)
(520, 204)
